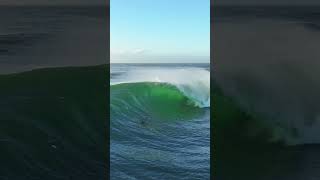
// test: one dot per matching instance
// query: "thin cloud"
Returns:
(139, 51)
(122, 52)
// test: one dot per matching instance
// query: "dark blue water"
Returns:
(37, 36)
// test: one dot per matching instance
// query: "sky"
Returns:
(155, 31)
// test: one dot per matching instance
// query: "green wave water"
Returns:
(246, 147)
(235, 124)
(159, 100)
(53, 124)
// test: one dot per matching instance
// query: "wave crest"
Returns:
(194, 83)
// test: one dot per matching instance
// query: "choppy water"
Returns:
(160, 121)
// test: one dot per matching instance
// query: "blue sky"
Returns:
(152, 31)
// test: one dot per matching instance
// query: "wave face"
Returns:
(157, 99)
(53, 124)
(278, 80)
(159, 122)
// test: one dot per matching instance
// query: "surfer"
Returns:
(143, 122)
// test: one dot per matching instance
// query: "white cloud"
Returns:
(139, 51)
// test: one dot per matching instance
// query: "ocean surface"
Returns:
(160, 121)
(33, 37)
(265, 92)
(53, 117)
